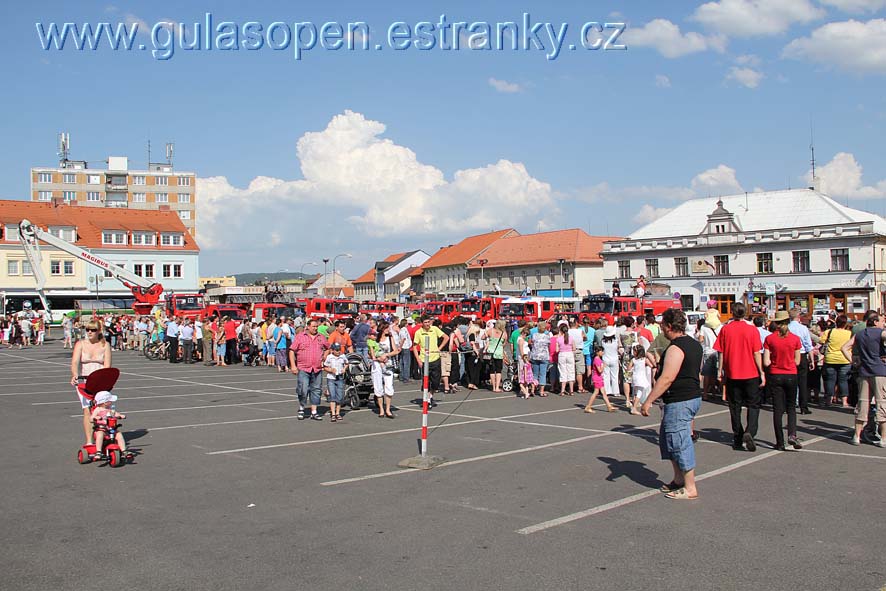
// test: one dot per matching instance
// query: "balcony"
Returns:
(118, 204)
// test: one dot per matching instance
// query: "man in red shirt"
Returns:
(306, 354)
(742, 364)
(643, 331)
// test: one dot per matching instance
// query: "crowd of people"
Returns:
(24, 330)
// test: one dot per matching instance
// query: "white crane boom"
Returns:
(145, 292)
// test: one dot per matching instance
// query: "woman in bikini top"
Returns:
(89, 355)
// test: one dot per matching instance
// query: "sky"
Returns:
(370, 152)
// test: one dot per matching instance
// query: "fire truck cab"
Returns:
(484, 309)
(443, 310)
(333, 309)
(605, 306)
(520, 308)
(184, 305)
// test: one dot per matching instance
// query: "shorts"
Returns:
(579, 363)
(871, 388)
(445, 364)
(675, 436)
(84, 401)
(709, 365)
(495, 365)
(336, 389)
(589, 360)
(221, 349)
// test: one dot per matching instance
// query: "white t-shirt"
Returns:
(198, 330)
(337, 363)
(641, 377)
(576, 338)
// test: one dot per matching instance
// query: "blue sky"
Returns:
(371, 152)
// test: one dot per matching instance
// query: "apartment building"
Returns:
(116, 185)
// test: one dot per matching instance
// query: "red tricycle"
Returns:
(98, 381)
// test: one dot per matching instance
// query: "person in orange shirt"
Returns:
(340, 336)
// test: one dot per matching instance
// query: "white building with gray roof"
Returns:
(772, 250)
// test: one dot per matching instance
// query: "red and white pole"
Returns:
(425, 403)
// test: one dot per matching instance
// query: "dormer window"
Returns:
(171, 240)
(114, 237)
(11, 233)
(64, 232)
(722, 221)
(144, 239)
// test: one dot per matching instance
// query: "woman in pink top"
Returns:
(565, 361)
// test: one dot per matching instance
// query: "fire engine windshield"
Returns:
(188, 303)
(597, 306)
(434, 309)
(345, 308)
(470, 306)
(514, 309)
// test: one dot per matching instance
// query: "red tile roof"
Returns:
(467, 249)
(575, 246)
(369, 276)
(91, 221)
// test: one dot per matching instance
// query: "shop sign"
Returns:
(701, 265)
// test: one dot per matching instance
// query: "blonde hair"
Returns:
(97, 327)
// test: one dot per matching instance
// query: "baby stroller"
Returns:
(248, 353)
(358, 381)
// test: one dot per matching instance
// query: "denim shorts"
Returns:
(675, 436)
(336, 389)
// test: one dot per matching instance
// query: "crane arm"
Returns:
(144, 291)
(35, 258)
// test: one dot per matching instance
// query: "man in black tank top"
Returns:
(678, 386)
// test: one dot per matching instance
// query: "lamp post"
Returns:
(325, 277)
(302, 273)
(561, 261)
(346, 254)
(482, 263)
(97, 281)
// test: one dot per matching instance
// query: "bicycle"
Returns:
(157, 351)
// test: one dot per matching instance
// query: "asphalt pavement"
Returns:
(230, 491)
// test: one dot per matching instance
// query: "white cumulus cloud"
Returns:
(666, 38)
(720, 180)
(662, 81)
(850, 45)
(752, 18)
(747, 77)
(504, 85)
(856, 6)
(648, 214)
(716, 181)
(842, 177)
(377, 188)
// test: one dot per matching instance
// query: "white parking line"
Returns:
(645, 494)
(128, 398)
(504, 453)
(840, 453)
(129, 412)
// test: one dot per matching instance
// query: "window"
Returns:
(93, 196)
(44, 177)
(839, 259)
(681, 266)
(764, 263)
(12, 267)
(108, 273)
(538, 275)
(552, 272)
(652, 267)
(11, 233)
(94, 179)
(162, 180)
(171, 240)
(69, 195)
(184, 181)
(138, 180)
(721, 264)
(55, 267)
(185, 215)
(26, 267)
(139, 198)
(137, 268)
(511, 277)
(143, 239)
(113, 238)
(175, 271)
(801, 261)
(162, 197)
(184, 197)
(69, 267)
(149, 271)
(44, 195)
(624, 269)
(68, 234)
(69, 178)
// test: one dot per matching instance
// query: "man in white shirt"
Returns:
(172, 333)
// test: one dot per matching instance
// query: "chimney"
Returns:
(57, 202)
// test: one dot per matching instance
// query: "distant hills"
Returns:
(280, 277)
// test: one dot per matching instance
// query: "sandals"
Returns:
(670, 487)
(611, 408)
(590, 411)
(681, 495)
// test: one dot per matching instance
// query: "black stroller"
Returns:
(358, 381)
(248, 353)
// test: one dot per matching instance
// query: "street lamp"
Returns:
(325, 277)
(482, 263)
(302, 273)
(346, 254)
(561, 261)
(97, 281)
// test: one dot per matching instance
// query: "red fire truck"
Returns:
(484, 309)
(264, 310)
(375, 308)
(605, 306)
(334, 309)
(442, 309)
(232, 311)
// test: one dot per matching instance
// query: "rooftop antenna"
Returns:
(170, 150)
(814, 186)
(64, 147)
(148, 167)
